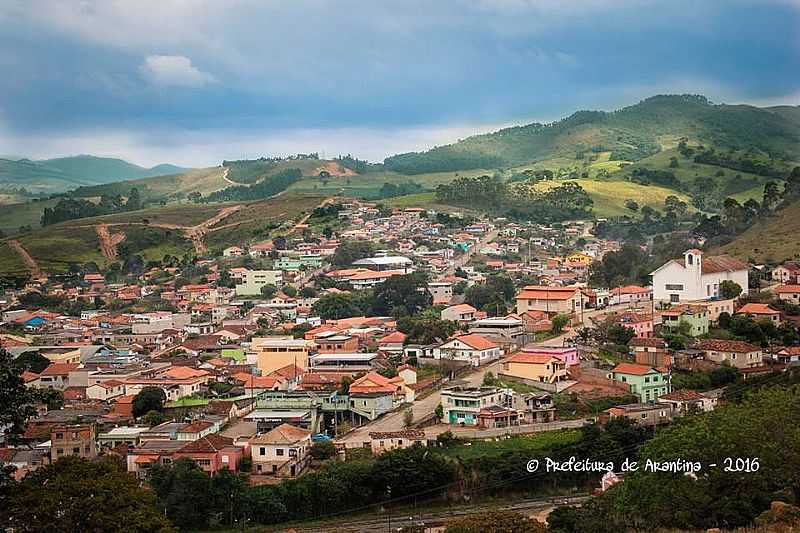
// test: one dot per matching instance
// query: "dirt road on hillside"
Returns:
(26, 257)
(108, 241)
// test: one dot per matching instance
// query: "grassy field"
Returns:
(10, 261)
(531, 444)
(28, 214)
(186, 214)
(609, 196)
(772, 240)
(54, 248)
(369, 185)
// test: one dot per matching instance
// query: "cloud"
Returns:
(176, 71)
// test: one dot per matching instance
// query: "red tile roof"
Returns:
(476, 342)
(787, 289)
(718, 345)
(757, 309)
(531, 358)
(59, 369)
(633, 368)
(721, 263)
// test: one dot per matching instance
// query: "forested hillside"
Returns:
(630, 134)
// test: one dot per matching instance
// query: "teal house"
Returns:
(646, 382)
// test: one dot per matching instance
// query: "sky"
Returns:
(193, 82)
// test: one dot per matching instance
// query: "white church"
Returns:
(697, 278)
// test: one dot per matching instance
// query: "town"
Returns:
(385, 329)
(493, 266)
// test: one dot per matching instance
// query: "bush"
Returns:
(323, 450)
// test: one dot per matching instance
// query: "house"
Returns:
(195, 430)
(787, 355)
(630, 294)
(687, 401)
(387, 262)
(76, 440)
(459, 313)
(509, 330)
(462, 405)
(150, 453)
(535, 368)
(536, 408)
(392, 344)
(254, 280)
(105, 390)
(640, 323)
(441, 291)
(211, 453)
(273, 353)
(56, 375)
(330, 342)
(646, 382)
(552, 300)
(381, 442)
(788, 293)
(787, 273)
(282, 451)
(759, 311)
(697, 277)
(473, 349)
(646, 414)
(693, 317)
(372, 395)
(650, 351)
(232, 251)
(738, 354)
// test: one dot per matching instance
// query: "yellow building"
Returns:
(578, 259)
(541, 368)
(273, 353)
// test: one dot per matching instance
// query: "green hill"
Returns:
(630, 134)
(62, 174)
(772, 240)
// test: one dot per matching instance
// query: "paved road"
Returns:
(434, 520)
(421, 408)
(463, 259)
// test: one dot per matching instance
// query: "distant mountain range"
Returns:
(67, 173)
(630, 134)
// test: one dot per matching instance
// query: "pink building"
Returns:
(568, 356)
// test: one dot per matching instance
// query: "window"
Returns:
(262, 451)
(76, 451)
(59, 436)
(673, 287)
(60, 451)
(279, 452)
(203, 462)
(644, 415)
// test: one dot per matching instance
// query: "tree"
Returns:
(335, 306)
(632, 205)
(350, 251)
(290, 291)
(408, 417)
(33, 361)
(183, 491)
(559, 322)
(729, 289)
(308, 292)
(15, 398)
(495, 522)
(149, 399)
(74, 494)
(426, 328)
(403, 295)
(268, 291)
(323, 450)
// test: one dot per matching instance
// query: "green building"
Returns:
(646, 382)
(696, 318)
